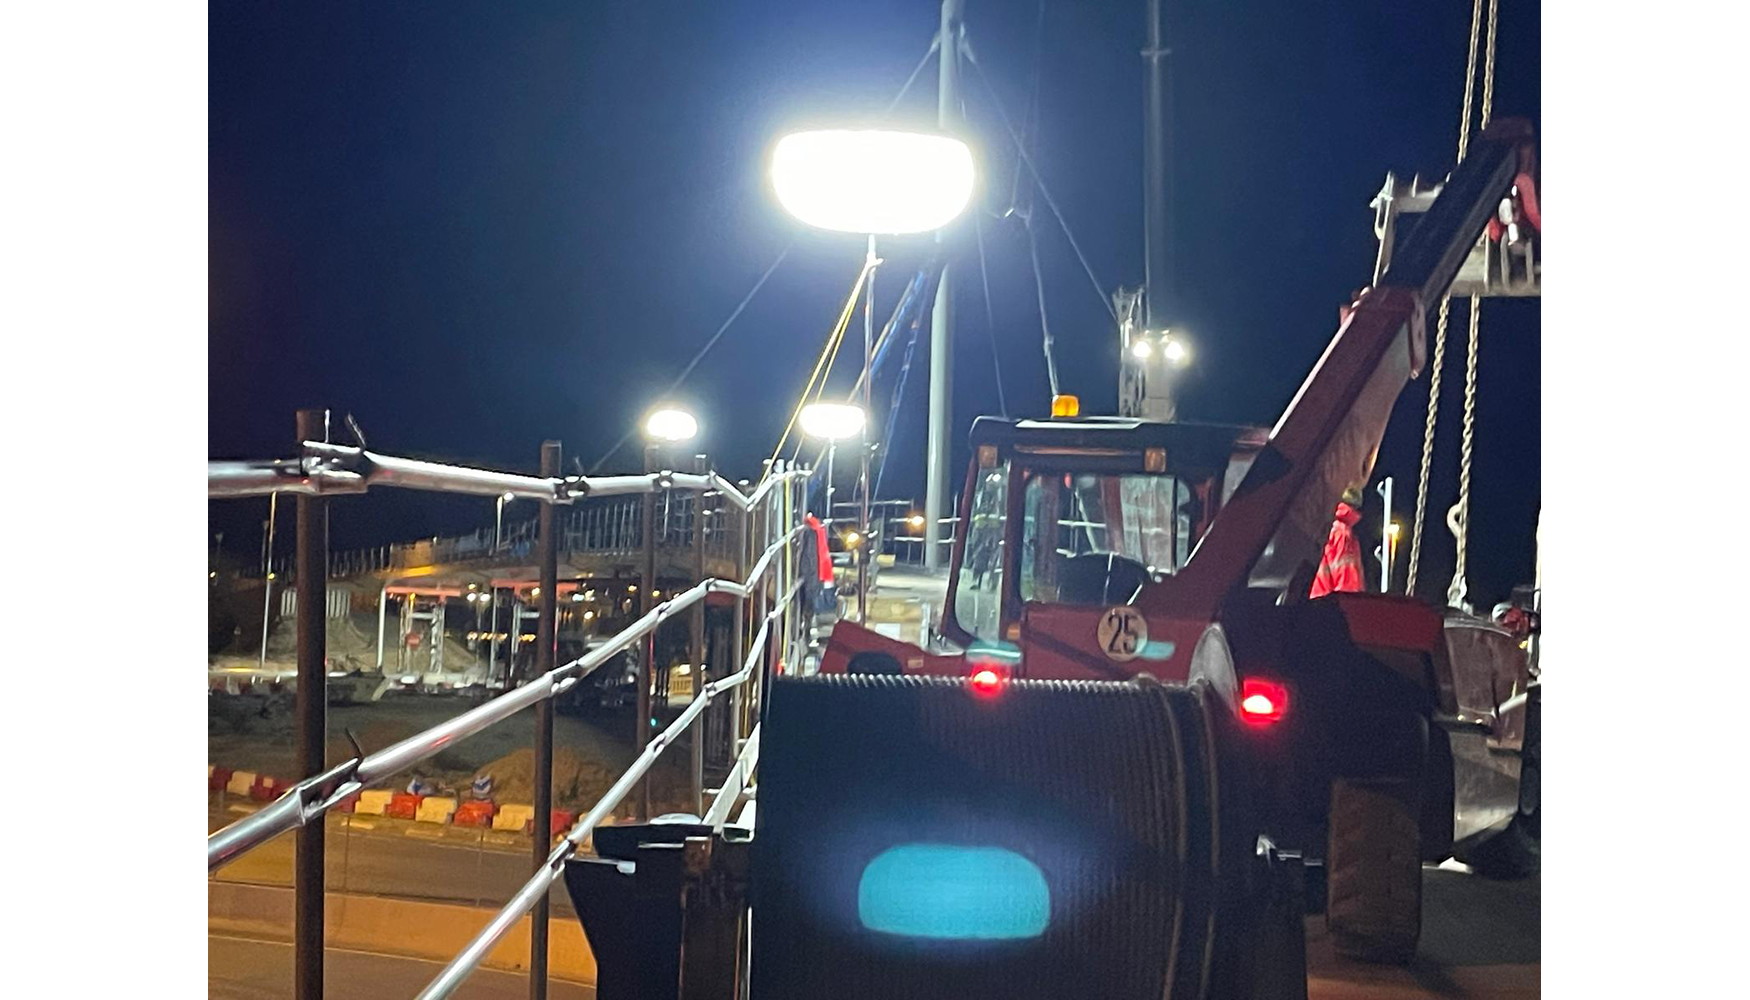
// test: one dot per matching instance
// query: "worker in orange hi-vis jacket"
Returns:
(1340, 570)
(819, 590)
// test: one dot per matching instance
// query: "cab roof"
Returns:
(1188, 445)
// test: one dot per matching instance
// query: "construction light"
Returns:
(1393, 528)
(1262, 702)
(832, 421)
(853, 539)
(671, 424)
(915, 521)
(1174, 350)
(1066, 406)
(873, 181)
(1141, 349)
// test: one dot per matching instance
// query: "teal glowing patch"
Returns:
(952, 892)
(1156, 649)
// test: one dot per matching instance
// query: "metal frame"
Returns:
(323, 470)
(535, 889)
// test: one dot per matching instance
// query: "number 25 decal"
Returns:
(1122, 633)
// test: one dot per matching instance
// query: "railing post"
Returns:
(738, 636)
(646, 601)
(696, 650)
(545, 649)
(312, 713)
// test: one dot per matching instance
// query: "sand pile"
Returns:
(578, 782)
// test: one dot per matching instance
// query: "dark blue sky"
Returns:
(475, 226)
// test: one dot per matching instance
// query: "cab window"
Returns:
(1096, 538)
(978, 598)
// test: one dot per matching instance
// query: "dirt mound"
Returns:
(578, 782)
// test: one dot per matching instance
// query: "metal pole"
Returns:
(273, 507)
(545, 649)
(738, 636)
(1157, 180)
(868, 409)
(312, 713)
(382, 622)
(696, 652)
(646, 601)
(1387, 543)
(492, 651)
(942, 315)
(832, 450)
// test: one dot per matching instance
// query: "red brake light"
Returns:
(986, 681)
(1262, 702)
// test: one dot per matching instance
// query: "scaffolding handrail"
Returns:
(746, 762)
(311, 798)
(329, 469)
(470, 957)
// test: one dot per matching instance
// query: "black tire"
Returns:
(1373, 871)
(1516, 852)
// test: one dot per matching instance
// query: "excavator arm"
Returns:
(1275, 522)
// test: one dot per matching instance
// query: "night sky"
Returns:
(475, 226)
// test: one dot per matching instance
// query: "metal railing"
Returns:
(703, 511)
(607, 526)
(311, 798)
(535, 889)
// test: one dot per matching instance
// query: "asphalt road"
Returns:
(251, 969)
(414, 861)
(1481, 940)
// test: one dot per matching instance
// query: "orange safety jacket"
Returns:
(1340, 570)
(822, 555)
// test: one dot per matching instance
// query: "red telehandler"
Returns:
(1376, 731)
(1114, 786)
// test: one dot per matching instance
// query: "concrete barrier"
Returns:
(513, 817)
(435, 810)
(373, 801)
(432, 931)
(241, 782)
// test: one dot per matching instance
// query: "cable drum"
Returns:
(920, 838)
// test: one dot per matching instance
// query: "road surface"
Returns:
(1481, 940)
(240, 968)
(405, 859)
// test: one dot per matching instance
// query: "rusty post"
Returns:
(312, 716)
(546, 639)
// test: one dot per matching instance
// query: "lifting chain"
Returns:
(1459, 516)
(1437, 360)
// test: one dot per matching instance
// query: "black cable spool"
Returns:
(1119, 795)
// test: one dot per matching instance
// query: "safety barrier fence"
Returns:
(702, 510)
(610, 526)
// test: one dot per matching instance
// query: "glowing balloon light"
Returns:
(672, 425)
(832, 421)
(871, 181)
